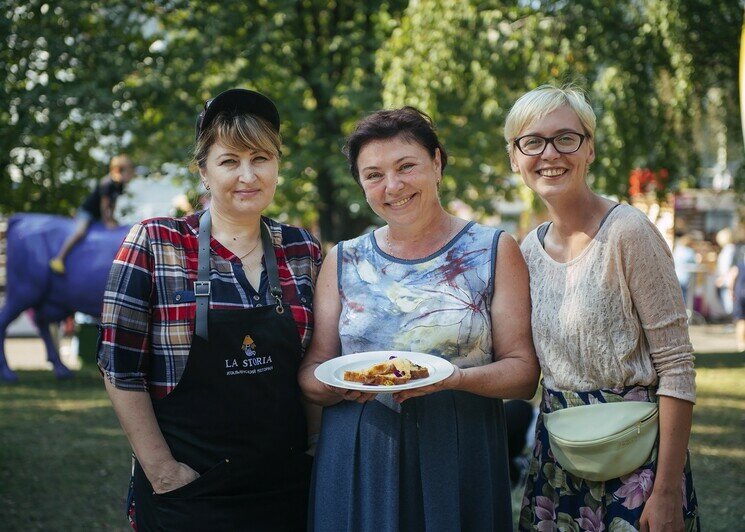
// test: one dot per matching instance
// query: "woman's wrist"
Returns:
(458, 380)
(156, 464)
(155, 468)
(667, 487)
(324, 395)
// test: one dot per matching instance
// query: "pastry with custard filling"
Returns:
(393, 371)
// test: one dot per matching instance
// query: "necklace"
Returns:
(447, 236)
(250, 251)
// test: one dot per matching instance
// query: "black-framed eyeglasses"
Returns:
(532, 145)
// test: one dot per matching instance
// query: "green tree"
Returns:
(314, 58)
(86, 79)
(644, 64)
(464, 63)
(60, 117)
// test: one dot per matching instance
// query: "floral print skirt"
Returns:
(556, 500)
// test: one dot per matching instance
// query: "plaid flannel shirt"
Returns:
(149, 305)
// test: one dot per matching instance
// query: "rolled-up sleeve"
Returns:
(656, 295)
(123, 353)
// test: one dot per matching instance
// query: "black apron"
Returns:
(236, 418)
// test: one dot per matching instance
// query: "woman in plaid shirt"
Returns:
(200, 349)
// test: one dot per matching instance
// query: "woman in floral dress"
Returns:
(433, 458)
(609, 325)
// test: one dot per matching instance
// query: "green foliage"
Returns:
(315, 59)
(60, 117)
(466, 62)
(85, 79)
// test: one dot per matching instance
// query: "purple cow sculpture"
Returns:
(33, 239)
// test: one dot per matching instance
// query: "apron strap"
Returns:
(271, 267)
(202, 284)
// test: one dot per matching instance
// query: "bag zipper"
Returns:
(629, 430)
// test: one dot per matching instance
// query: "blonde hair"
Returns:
(544, 100)
(238, 132)
(118, 161)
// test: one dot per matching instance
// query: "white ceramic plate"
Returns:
(332, 371)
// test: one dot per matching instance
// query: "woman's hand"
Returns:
(171, 476)
(664, 508)
(135, 412)
(663, 511)
(451, 383)
(351, 395)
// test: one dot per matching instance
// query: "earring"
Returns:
(206, 185)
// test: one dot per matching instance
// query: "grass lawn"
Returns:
(718, 441)
(63, 457)
(64, 462)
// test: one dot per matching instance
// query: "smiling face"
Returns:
(400, 179)
(552, 173)
(242, 182)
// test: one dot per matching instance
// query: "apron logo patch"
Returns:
(251, 363)
(249, 347)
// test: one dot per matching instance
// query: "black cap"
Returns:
(238, 101)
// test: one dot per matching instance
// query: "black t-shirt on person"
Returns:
(106, 188)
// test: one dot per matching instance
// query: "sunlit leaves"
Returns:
(59, 112)
(643, 63)
(84, 79)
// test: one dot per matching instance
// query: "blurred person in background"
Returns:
(738, 295)
(684, 259)
(725, 279)
(98, 206)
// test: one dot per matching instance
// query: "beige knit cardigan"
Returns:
(613, 316)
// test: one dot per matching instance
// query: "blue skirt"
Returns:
(557, 500)
(437, 463)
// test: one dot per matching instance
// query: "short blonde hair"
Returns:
(119, 161)
(544, 100)
(237, 132)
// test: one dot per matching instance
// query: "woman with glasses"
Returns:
(204, 324)
(608, 322)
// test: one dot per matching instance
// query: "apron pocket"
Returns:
(214, 504)
(270, 512)
(205, 484)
